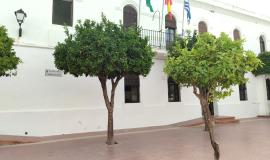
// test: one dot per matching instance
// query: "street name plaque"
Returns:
(53, 73)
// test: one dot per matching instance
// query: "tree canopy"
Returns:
(265, 68)
(103, 49)
(215, 63)
(8, 59)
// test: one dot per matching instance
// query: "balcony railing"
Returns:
(159, 39)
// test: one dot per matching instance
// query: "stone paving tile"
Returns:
(248, 140)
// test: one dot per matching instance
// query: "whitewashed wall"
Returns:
(41, 105)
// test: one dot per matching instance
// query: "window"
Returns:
(262, 44)
(243, 92)
(268, 88)
(202, 27)
(242, 87)
(130, 16)
(236, 34)
(170, 25)
(62, 12)
(132, 88)
(173, 91)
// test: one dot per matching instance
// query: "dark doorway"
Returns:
(130, 16)
(211, 108)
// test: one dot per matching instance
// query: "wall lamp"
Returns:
(20, 15)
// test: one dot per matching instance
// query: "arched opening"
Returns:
(262, 44)
(170, 26)
(242, 87)
(129, 16)
(131, 82)
(202, 27)
(236, 34)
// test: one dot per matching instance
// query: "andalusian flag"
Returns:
(148, 3)
(169, 5)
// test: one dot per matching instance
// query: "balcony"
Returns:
(158, 39)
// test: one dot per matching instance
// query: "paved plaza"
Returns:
(247, 140)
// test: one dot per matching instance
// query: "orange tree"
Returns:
(107, 51)
(8, 59)
(210, 67)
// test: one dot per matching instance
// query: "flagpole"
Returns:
(162, 16)
(183, 19)
(139, 13)
(161, 25)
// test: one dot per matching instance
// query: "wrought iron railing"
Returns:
(159, 39)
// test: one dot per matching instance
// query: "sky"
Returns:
(259, 6)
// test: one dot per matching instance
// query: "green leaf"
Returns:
(210, 63)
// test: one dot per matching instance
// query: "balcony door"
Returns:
(170, 26)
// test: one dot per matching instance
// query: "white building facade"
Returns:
(37, 104)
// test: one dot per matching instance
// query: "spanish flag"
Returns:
(169, 5)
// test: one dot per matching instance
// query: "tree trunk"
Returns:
(110, 106)
(110, 132)
(203, 96)
(204, 104)
(206, 127)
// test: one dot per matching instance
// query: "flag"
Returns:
(169, 5)
(148, 3)
(187, 8)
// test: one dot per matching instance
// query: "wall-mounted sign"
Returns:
(53, 72)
